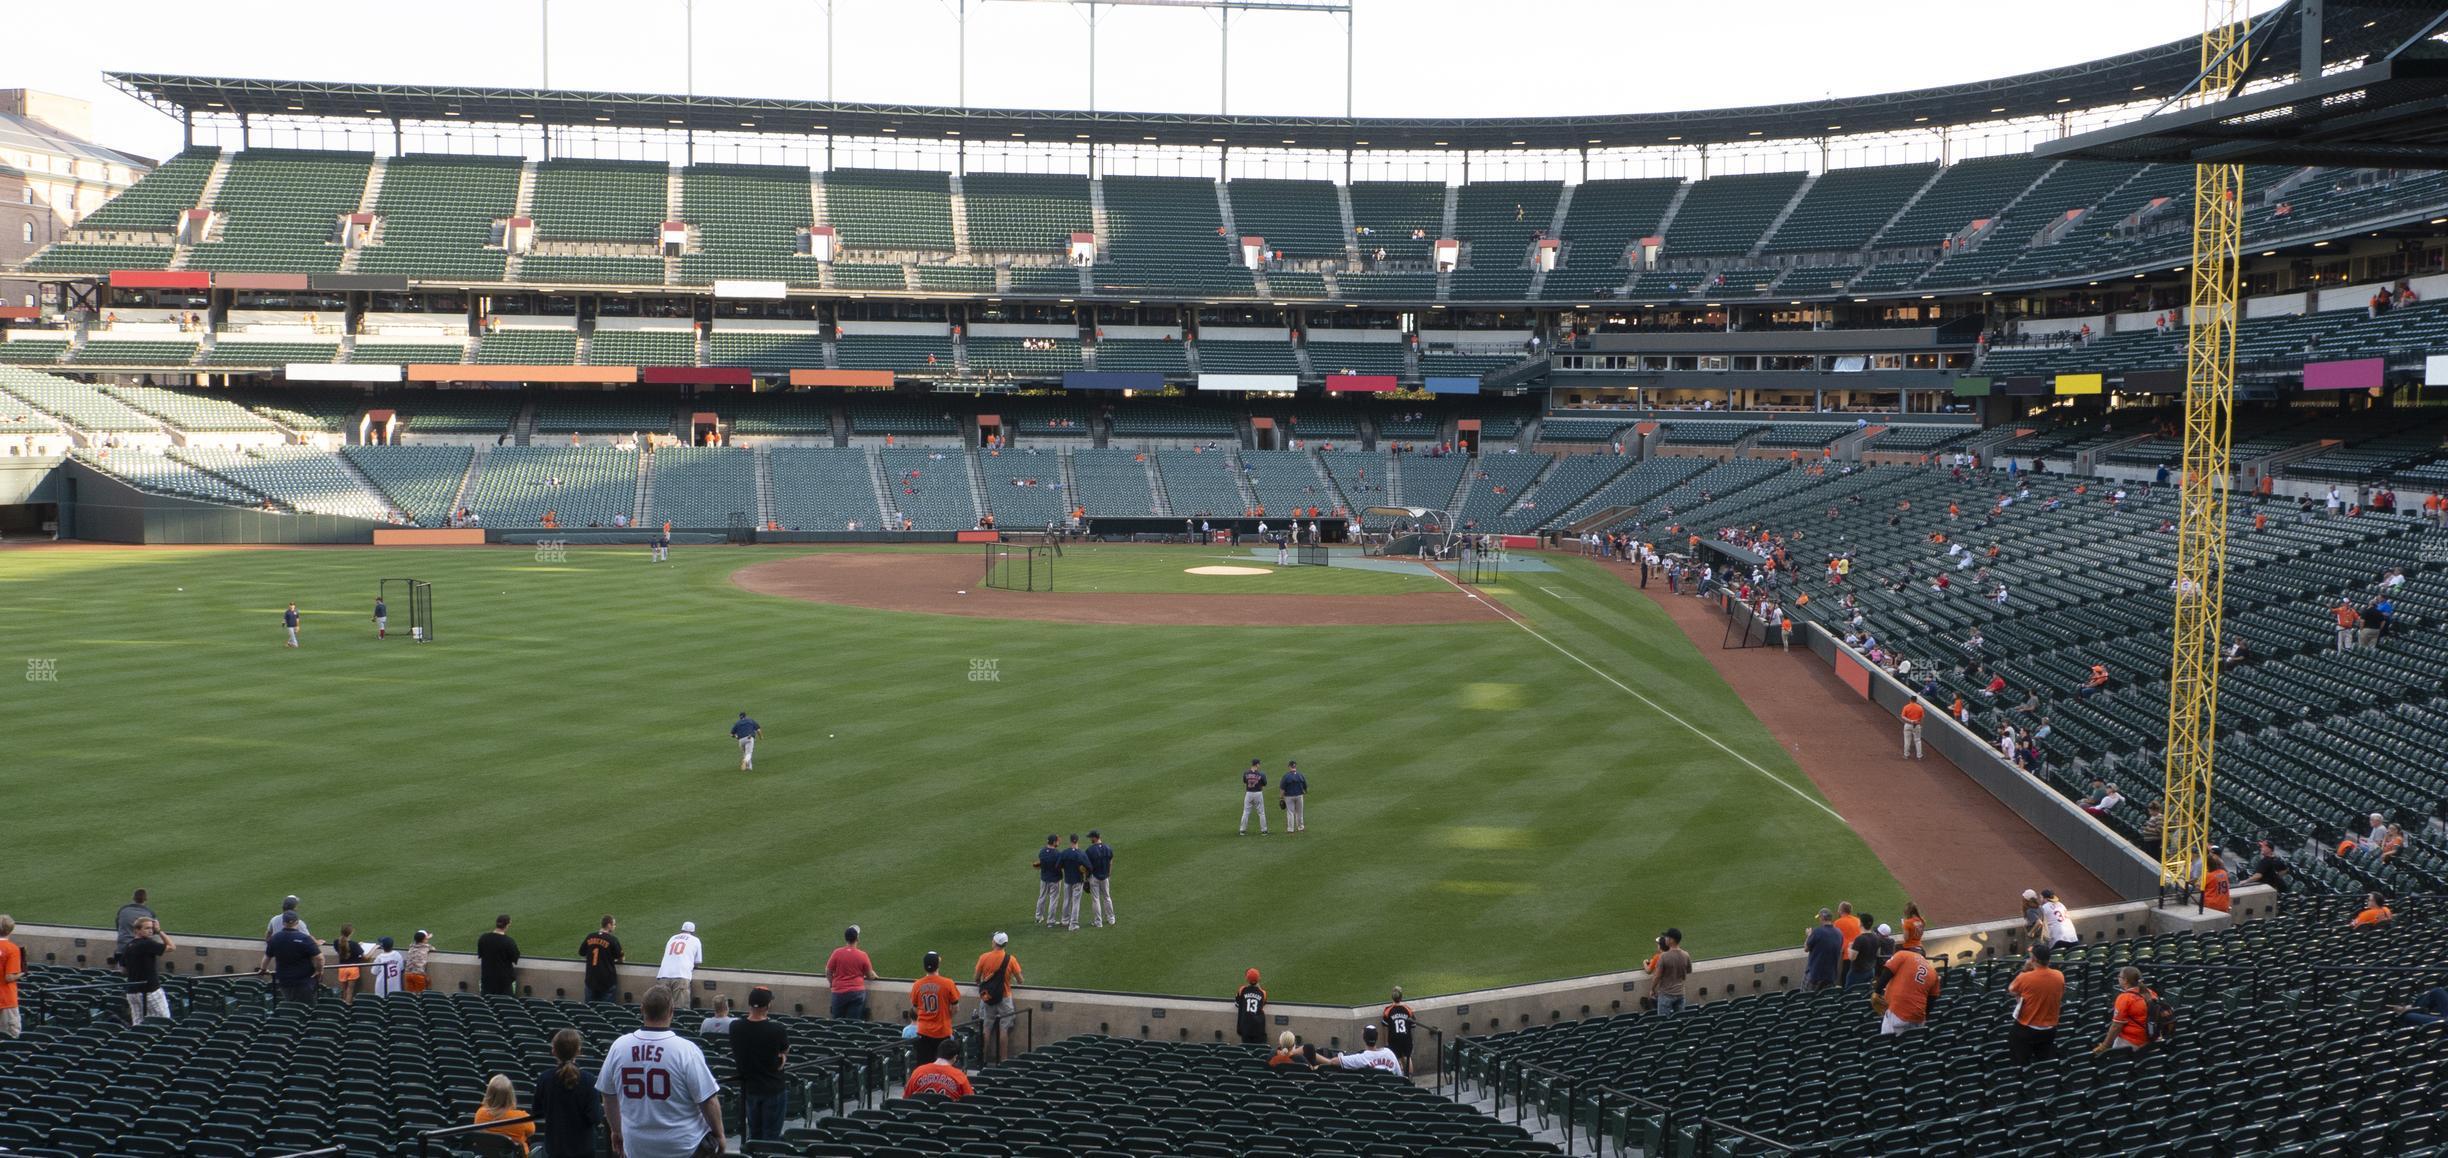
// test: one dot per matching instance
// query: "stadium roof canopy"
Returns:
(2128, 78)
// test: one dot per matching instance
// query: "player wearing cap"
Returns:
(382, 619)
(659, 1096)
(1074, 864)
(1100, 882)
(681, 957)
(390, 968)
(1049, 881)
(998, 974)
(1398, 1021)
(1370, 1056)
(746, 732)
(1253, 798)
(1295, 790)
(1249, 1011)
(289, 620)
(934, 998)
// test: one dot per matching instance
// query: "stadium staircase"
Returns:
(977, 482)
(672, 187)
(1070, 480)
(1241, 482)
(1327, 484)
(467, 482)
(205, 198)
(883, 487)
(1907, 207)
(1098, 225)
(1351, 233)
(960, 219)
(1161, 503)
(1800, 191)
(1453, 212)
(1555, 229)
(641, 507)
(523, 426)
(1393, 480)
(1461, 490)
(1673, 207)
(764, 487)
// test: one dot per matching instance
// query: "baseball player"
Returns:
(382, 619)
(1295, 790)
(1253, 798)
(1074, 882)
(1049, 881)
(1283, 549)
(1100, 881)
(289, 619)
(746, 732)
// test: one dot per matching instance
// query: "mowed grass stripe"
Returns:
(1484, 810)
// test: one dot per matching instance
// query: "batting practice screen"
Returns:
(1019, 567)
(418, 603)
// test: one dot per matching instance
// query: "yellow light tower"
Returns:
(2201, 524)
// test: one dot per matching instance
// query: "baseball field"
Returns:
(1495, 797)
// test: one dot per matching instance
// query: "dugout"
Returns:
(29, 497)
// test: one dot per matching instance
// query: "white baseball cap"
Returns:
(2030, 895)
(1884, 930)
(1002, 938)
(688, 926)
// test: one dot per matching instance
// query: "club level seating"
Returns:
(1160, 419)
(766, 349)
(297, 477)
(1817, 279)
(589, 269)
(1387, 213)
(1495, 485)
(1724, 216)
(94, 257)
(1200, 483)
(587, 199)
(1161, 355)
(306, 409)
(80, 404)
(1464, 363)
(1426, 427)
(235, 1076)
(955, 279)
(1887, 276)
(1357, 357)
(1313, 427)
(780, 414)
(1564, 485)
(528, 347)
(890, 209)
(1166, 233)
(233, 353)
(915, 354)
(1112, 482)
(1234, 356)
(33, 351)
(823, 489)
(1404, 287)
(642, 347)
(583, 486)
(437, 213)
(1966, 192)
(747, 219)
(458, 411)
(603, 412)
(1036, 419)
(1014, 356)
(281, 210)
(868, 275)
(931, 487)
(1040, 502)
(1501, 426)
(154, 202)
(1665, 284)
(1045, 279)
(1296, 284)
(1299, 219)
(1699, 432)
(1584, 283)
(104, 351)
(373, 353)
(1799, 1069)
(420, 480)
(1486, 284)
(902, 418)
(1803, 435)
(1921, 436)
(1606, 217)
(1581, 428)
(1285, 480)
(703, 486)
(1499, 219)
(190, 410)
(1846, 206)
(1025, 212)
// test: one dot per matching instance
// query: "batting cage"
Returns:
(1020, 566)
(1309, 555)
(1477, 565)
(416, 597)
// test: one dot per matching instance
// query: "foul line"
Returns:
(1654, 706)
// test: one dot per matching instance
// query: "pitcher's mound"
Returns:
(933, 583)
(1228, 570)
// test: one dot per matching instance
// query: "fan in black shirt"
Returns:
(759, 1048)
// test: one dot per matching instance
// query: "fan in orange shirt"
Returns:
(501, 1101)
(934, 997)
(1911, 982)
(2374, 911)
(1912, 926)
(2215, 884)
(1848, 926)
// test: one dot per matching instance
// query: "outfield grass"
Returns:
(1484, 809)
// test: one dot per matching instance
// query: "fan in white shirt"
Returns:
(1370, 1057)
(2055, 923)
(681, 955)
(387, 967)
(658, 1093)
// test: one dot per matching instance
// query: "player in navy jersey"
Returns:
(289, 619)
(1100, 881)
(1253, 798)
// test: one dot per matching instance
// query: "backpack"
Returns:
(2160, 1016)
(991, 991)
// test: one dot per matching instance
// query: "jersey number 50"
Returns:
(638, 1082)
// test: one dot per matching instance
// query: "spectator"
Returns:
(1911, 984)
(501, 1101)
(387, 967)
(2094, 683)
(2429, 1009)
(2217, 895)
(1870, 950)
(130, 913)
(2105, 802)
(565, 1110)
(658, 1095)
(760, 1047)
(678, 969)
(1669, 970)
(1288, 1051)
(289, 905)
(1249, 1010)
(1398, 1021)
(601, 951)
(497, 958)
(2033, 926)
(940, 1076)
(2129, 1025)
(141, 959)
(1913, 927)
(2059, 931)
(1370, 1056)
(1848, 928)
(2349, 619)
(293, 959)
(2375, 911)
(936, 999)
(847, 973)
(2272, 869)
(717, 1022)
(350, 955)
(998, 977)
(413, 975)
(12, 971)
(2039, 993)
(1821, 950)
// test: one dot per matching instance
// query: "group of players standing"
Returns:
(1065, 875)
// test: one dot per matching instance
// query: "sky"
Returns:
(1411, 57)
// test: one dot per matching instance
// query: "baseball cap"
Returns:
(2030, 895)
(1094, 834)
(1253, 976)
(422, 935)
(1002, 938)
(290, 901)
(1368, 1033)
(760, 997)
(933, 960)
(385, 942)
(688, 926)
(1884, 930)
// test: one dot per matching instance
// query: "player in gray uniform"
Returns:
(1253, 798)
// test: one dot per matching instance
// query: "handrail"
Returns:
(426, 1139)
